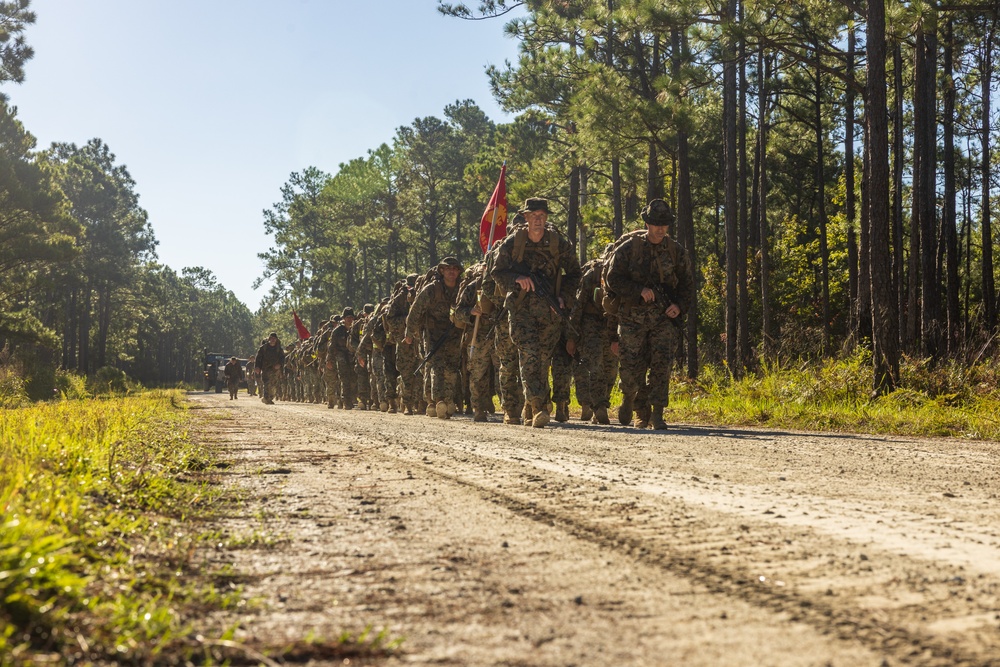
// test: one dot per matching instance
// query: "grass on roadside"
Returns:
(834, 395)
(102, 509)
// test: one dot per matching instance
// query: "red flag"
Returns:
(493, 226)
(303, 332)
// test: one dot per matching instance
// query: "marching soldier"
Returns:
(340, 358)
(651, 276)
(430, 318)
(270, 360)
(538, 270)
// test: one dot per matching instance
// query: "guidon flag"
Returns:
(493, 226)
(301, 328)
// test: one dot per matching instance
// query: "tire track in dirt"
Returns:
(837, 544)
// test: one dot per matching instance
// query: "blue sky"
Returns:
(211, 104)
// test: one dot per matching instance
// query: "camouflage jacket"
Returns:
(637, 264)
(431, 310)
(552, 257)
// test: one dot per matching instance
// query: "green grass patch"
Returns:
(834, 395)
(104, 504)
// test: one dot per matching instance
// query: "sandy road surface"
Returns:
(485, 544)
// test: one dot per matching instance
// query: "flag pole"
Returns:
(489, 246)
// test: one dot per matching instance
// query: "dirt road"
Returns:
(486, 544)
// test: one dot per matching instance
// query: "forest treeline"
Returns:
(80, 287)
(830, 162)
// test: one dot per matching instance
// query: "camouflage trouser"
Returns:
(443, 368)
(535, 330)
(310, 375)
(251, 384)
(511, 391)
(389, 371)
(364, 383)
(562, 372)
(481, 370)
(234, 387)
(596, 363)
(270, 384)
(348, 381)
(379, 392)
(407, 362)
(647, 339)
(332, 384)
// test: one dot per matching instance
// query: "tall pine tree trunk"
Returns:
(898, 151)
(685, 213)
(925, 125)
(741, 149)
(824, 249)
(850, 203)
(950, 223)
(884, 319)
(731, 197)
(986, 223)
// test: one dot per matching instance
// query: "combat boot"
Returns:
(330, 405)
(526, 413)
(408, 410)
(384, 406)
(601, 416)
(431, 410)
(511, 418)
(443, 410)
(642, 415)
(657, 419)
(586, 413)
(392, 407)
(562, 411)
(480, 416)
(625, 411)
(540, 415)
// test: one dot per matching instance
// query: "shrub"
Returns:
(12, 393)
(71, 386)
(108, 380)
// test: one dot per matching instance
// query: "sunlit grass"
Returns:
(834, 395)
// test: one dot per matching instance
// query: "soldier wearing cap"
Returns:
(234, 373)
(651, 275)
(340, 358)
(270, 360)
(406, 353)
(536, 253)
(430, 319)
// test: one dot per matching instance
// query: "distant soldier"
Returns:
(651, 276)
(430, 318)
(270, 360)
(234, 373)
(407, 359)
(341, 358)
(483, 361)
(251, 376)
(539, 271)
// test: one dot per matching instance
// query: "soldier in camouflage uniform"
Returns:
(330, 380)
(342, 359)
(406, 353)
(509, 375)
(430, 318)
(362, 377)
(390, 375)
(251, 376)
(597, 347)
(371, 353)
(483, 358)
(651, 276)
(270, 360)
(535, 325)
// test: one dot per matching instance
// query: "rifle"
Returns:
(665, 295)
(438, 344)
(543, 287)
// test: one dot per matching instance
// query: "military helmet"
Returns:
(348, 312)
